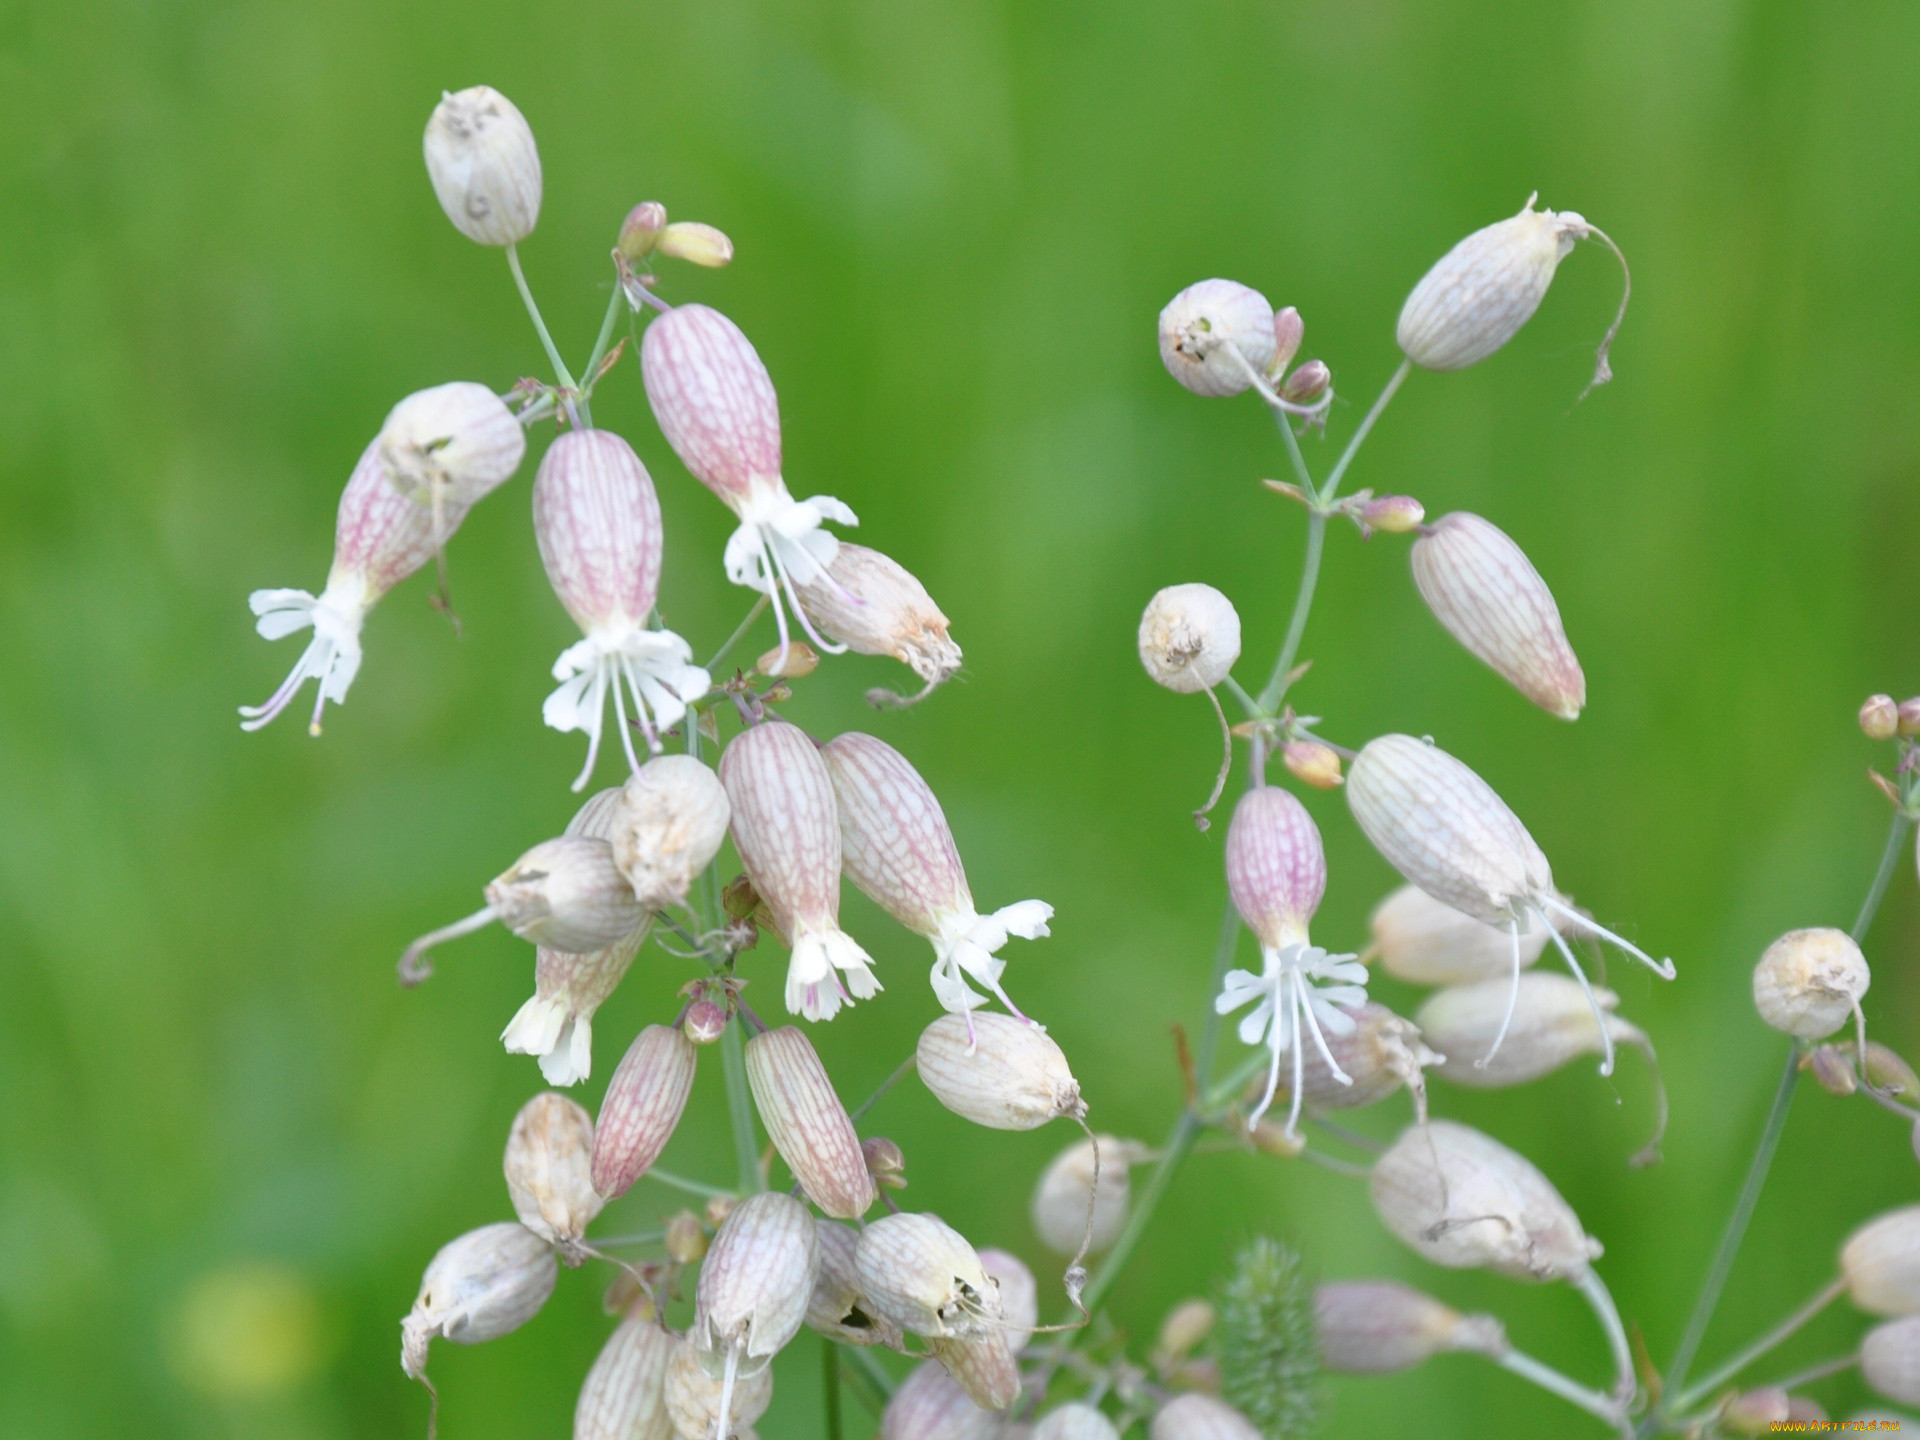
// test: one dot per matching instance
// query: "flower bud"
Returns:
(640, 231)
(624, 1397)
(549, 1165)
(1888, 1073)
(1879, 718)
(807, 1123)
(885, 1162)
(1185, 1330)
(786, 827)
(1276, 868)
(1217, 337)
(1463, 1200)
(1890, 1359)
(454, 443)
(921, 1274)
(1312, 762)
(1019, 1296)
(1075, 1420)
(1909, 722)
(1189, 638)
(1394, 514)
(1757, 1412)
(642, 1106)
(754, 1285)
(1060, 1199)
(1484, 289)
(706, 1022)
(1374, 1327)
(985, 1365)
(484, 166)
(567, 894)
(1288, 331)
(1195, 1416)
(1809, 981)
(1307, 384)
(1832, 1069)
(1006, 1074)
(671, 820)
(1424, 942)
(788, 662)
(1881, 1263)
(837, 1309)
(693, 1397)
(700, 244)
(930, 1405)
(1378, 1054)
(686, 1239)
(714, 400)
(479, 1287)
(874, 606)
(1484, 590)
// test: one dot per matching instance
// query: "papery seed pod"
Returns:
(624, 1397)
(597, 520)
(874, 606)
(671, 820)
(567, 894)
(642, 1107)
(1307, 384)
(1484, 590)
(484, 166)
(985, 1366)
(479, 1287)
(549, 1165)
(1463, 1200)
(786, 827)
(1810, 981)
(1312, 762)
(1200, 1417)
(1381, 1053)
(755, 1282)
(1373, 1327)
(1888, 1073)
(1890, 1359)
(640, 231)
(921, 1274)
(1019, 1296)
(1059, 1208)
(1880, 1262)
(1189, 638)
(1007, 1074)
(1756, 1412)
(930, 1405)
(1426, 942)
(1393, 514)
(1909, 716)
(701, 244)
(1832, 1069)
(807, 1123)
(1484, 289)
(1288, 331)
(716, 406)
(1076, 1420)
(1217, 337)
(897, 847)
(1879, 717)
(693, 1397)
(837, 1308)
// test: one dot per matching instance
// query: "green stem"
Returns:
(830, 1385)
(1594, 1291)
(739, 633)
(746, 1146)
(1332, 487)
(605, 338)
(875, 1373)
(1171, 1156)
(1276, 690)
(680, 1182)
(1552, 1381)
(560, 370)
(1889, 858)
(1787, 1327)
(899, 1073)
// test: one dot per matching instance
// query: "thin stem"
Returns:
(1331, 488)
(830, 1385)
(560, 370)
(739, 633)
(645, 1237)
(899, 1074)
(1172, 1154)
(1552, 1381)
(1594, 1290)
(1779, 1333)
(1294, 454)
(746, 1146)
(1239, 692)
(1303, 603)
(1222, 1093)
(605, 338)
(680, 1182)
(1817, 1372)
(1889, 858)
(876, 1373)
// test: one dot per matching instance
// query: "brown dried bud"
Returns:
(686, 1238)
(1372, 1327)
(1060, 1199)
(549, 1164)
(1890, 1359)
(1201, 1417)
(1307, 384)
(1424, 942)
(874, 606)
(670, 821)
(624, 1396)
(642, 1106)
(1879, 717)
(807, 1123)
(755, 1283)
(1809, 981)
(488, 1282)
(997, 1071)
(1312, 762)
(921, 1274)
(1881, 1263)
(837, 1308)
(930, 1405)
(886, 1162)
(693, 1401)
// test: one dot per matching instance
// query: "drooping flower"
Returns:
(1277, 872)
(716, 405)
(875, 606)
(597, 519)
(484, 166)
(897, 847)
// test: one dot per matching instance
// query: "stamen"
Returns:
(780, 569)
(1273, 1066)
(1663, 968)
(1299, 1055)
(770, 576)
(1513, 996)
(258, 715)
(631, 669)
(1599, 1016)
(596, 712)
(1313, 1024)
(602, 666)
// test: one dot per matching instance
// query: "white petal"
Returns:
(744, 561)
(828, 508)
(951, 991)
(535, 1027)
(1025, 918)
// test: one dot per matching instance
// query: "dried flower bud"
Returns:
(1185, 1330)
(1373, 1327)
(1377, 1055)
(453, 443)
(1909, 721)
(786, 827)
(1426, 942)
(567, 894)
(1288, 331)
(874, 606)
(897, 847)
(1394, 514)
(1463, 1200)
(985, 1366)
(754, 1285)
(1832, 1069)
(549, 1165)
(1312, 762)
(1019, 1296)
(686, 1238)
(999, 1072)
(1879, 717)
(885, 1162)
(788, 662)
(1200, 1417)
(624, 1397)
(837, 1307)
(1217, 337)
(1307, 384)
(706, 1022)
(1888, 1073)
(693, 1397)
(671, 820)
(1060, 1199)
(1189, 638)
(643, 1104)
(691, 241)
(930, 1405)
(479, 1287)
(1484, 590)
(1809, 981)
(1484, 289)
(1076, 1420)
(1282, 1142)
(807, 1123)
(1881, 1263)
(640, 231)
(1890, 1359)
(484, 166)
(1757, 1412)
(921, 1274)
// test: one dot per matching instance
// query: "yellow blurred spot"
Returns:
(246, 1329)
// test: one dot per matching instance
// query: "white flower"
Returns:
(966, 944)
(656, 669)
(332, 657)
(1301, 985)
(780, 545)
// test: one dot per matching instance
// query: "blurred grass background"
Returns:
(229, 1142)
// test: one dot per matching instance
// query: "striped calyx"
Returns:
(1276, 868)
(549, 1170)
(754, 1284)
(671, 819)
(1479, 294)
(807, 1123)
(624, 1397)
(997, 1071)
(1217, 337)
(484, 166)
(477, 1288)
(642, 1107)
(874, 606)
(1425, 942)
(921, 1274)
(1374, 1327)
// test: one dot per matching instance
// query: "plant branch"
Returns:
(592, 372)
(739, 633)
(899, 1074)
(746, 1146)
(1332, 487)
(1594, 1291)
(1779, 1333)
(1889, 859)
(1276, 687)
(1172, 1154)
(1552, 1381)
(680, 1182)
(560, 371)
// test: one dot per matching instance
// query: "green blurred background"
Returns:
(229, 1142)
